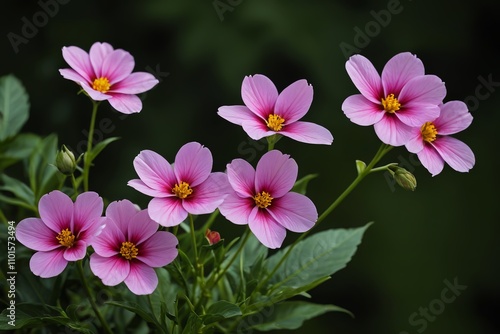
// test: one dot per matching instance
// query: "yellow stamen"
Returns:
(391, 104)
(429, 132)
(66, 238)
(182, 190)
(275, 122)
(101, 84)
(128, 250)
(263, 199)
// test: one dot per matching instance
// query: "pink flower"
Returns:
(433, 145)
(266, 113)
(63, 231)
(106, 74)
(401, 99)
(187, 186)
(262, 199)
(129, 247)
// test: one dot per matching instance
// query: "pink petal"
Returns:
(416, 143)
(159, 250)
(79, 61)
(108, 243)
(256, 129)
(155, 171)
(456, 154)
(426, 89)
(390, 130)
(126, 104)
(86, 211)
(48, 264)
(259, 94)
(135, 83)
(294, 101)
(142, 279)
(454, 117)
(295, 212)
(140, 186)
(70, 74)
(98, 52)
(416, 115)
(237, 209)
(117, 66)
(193, 163)
(208, 196)
(431, 160)
(307, 132)
(141, 227)
(365, 77)
(276, 173)
(268, 232)
(111, 270)
(34, 234)
(94, 94)
(121, 213)
(76, 252)
(241, 177)
(362, 111)
(399, 70)
(167, 211)
(56, 210)
(237, 114)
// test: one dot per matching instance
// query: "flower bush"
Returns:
(179, 275)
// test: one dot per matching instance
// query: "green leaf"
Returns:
(193, 324)
(137, 309)
(42, 174)
(33, 315)
(101, 146)
(18, 148)
(360, 166)
(14, 106)
(301, 185)
(23, 194)
(219, 311)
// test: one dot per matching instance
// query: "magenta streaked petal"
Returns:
(294, 101)
(365, 77)
(70, 74)
(193, 163)
(237, 209)
(117, 66)
(416, 115)
(259, 94)
(125, 103)
(142, 279)
(294, 211)
(79, 61)
(56, 210)
(307, 132)
(241, 176)
(48, 264)
(86, 211)
(399, 70)
(34, 234)
(159, 250)
(135, 83)
(140, 186)
(276, 173)
(155, 171)
(167, 211)
(140, 227)
(76, 252)
(454, 117)
(108, 243)
(208, 196)
(237, 114)
(98, 52)
(121, 212)
(94, 94)
(390, 130)
(256, 129)
(431, 160)
(416, 143)
(111, 270)
(455, 153)
(426, 89)
(266, 229)
(362, 111)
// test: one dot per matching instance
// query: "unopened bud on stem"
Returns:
(65, 161)
(403, 177)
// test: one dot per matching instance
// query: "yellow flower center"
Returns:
(182, 190)
(429, 132)
(263, 199)
(391, 104)
(66, 238)
(275, 122)
(101, 84)
(128, 250)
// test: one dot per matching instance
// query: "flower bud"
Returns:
(212, 237)
(404, 178)
(65, 161)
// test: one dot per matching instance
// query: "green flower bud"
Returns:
(404, 178)
(65, 161)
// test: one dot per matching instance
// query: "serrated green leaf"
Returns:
(300, 186)
(14, 106)
(219, 311)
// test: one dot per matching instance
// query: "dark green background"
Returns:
(446, 229)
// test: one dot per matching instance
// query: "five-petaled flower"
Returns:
(106, 74)
(402, 98)
(63, 231)
(433, 145)
(129, 247)
(268, 113)
(262, 199)
(187, 186)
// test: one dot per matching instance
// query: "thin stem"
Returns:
(211, 219)
(87, 161)
(195, 249)
(75, 186)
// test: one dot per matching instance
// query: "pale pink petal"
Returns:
(276, 173)
(117, 65)
(259, 94)
(399, 70)
(98, 52)
(294, 211)
(142, 279)
(207, 196)
(141, 227)
(70, 74)
(237, 114)
(79, 61)
(76, 252)
(155, 171)
(365, 77)
(362, 111)
(167, 211)
(294, 101)
(268, 232)
(416, 143)
(193, 163)
(108, 243)
(456, 154)
(121, 212)
(431, 160)
(48, 264)
(454, 117)
(307, 132)
(237, 209)
(135, 83)
(426, 89)
(256, 129)
(124, 103)
(390, 130)
(86, 211)
(56, 210)
(241, 176)
(111, 270)
(140, 186)
(94, 94)
(159, 250)
(416, 115)
(34, 234)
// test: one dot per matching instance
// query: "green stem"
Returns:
(103, 322)
(211, 219)
(87, 160)
(196, 258)
(75, 187)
